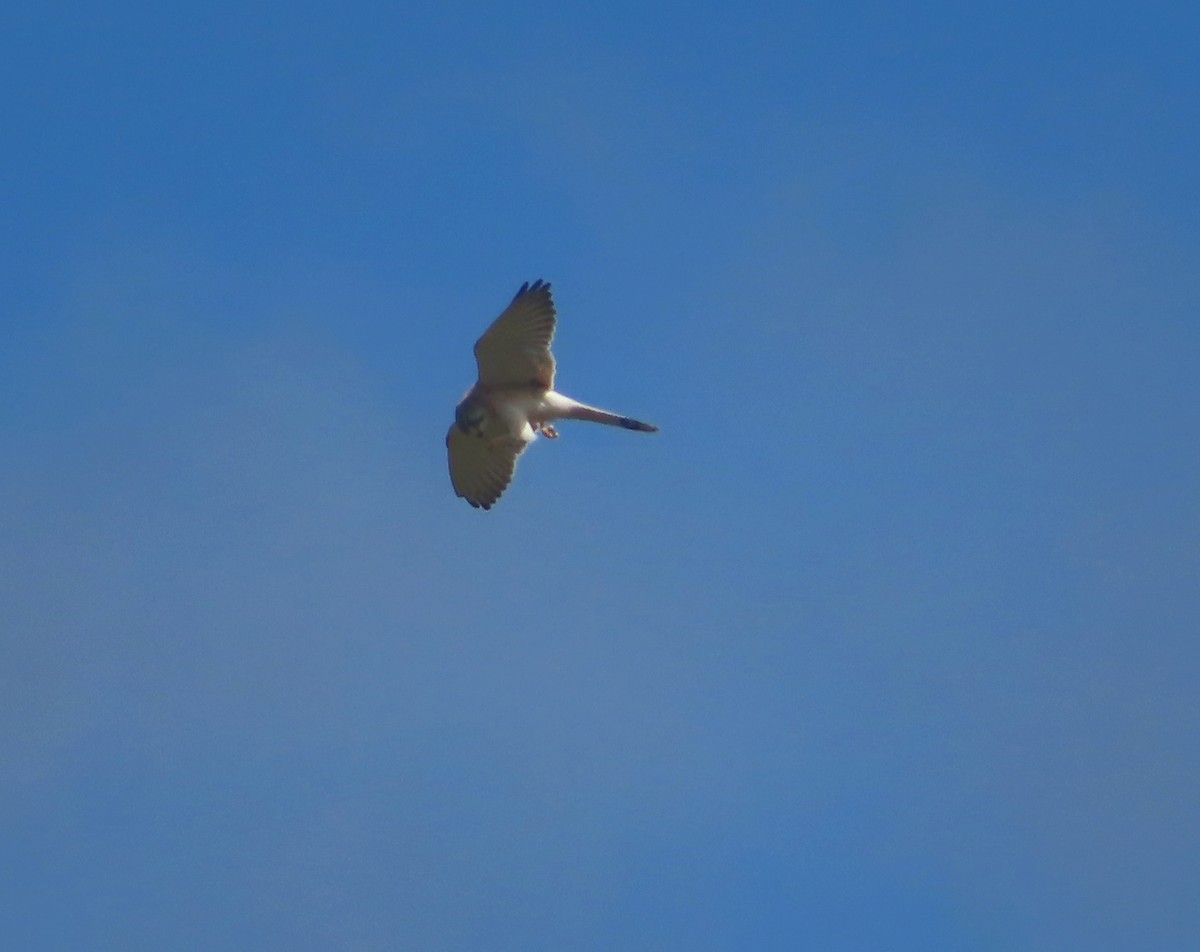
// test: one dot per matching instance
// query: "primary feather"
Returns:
(516, 348)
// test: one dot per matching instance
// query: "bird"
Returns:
(513, 400)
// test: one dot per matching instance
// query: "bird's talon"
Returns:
(549, 432)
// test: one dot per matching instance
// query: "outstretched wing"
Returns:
(480, 469)
(516, 348)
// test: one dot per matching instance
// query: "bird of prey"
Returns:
(513, 400)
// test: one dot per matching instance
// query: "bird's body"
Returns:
(513, 400)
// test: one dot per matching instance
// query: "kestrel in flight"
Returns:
(513, 400)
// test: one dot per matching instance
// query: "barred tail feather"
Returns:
(583, 412)
(631, 424)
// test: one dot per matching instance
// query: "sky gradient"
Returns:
(887, 640)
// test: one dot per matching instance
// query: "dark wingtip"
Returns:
(631, 424)
(537, 285)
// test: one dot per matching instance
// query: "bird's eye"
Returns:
(469, 417)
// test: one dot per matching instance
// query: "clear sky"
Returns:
(887, 641)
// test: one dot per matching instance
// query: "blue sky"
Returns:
(886, 641)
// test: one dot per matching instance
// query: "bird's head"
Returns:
(469, 414)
